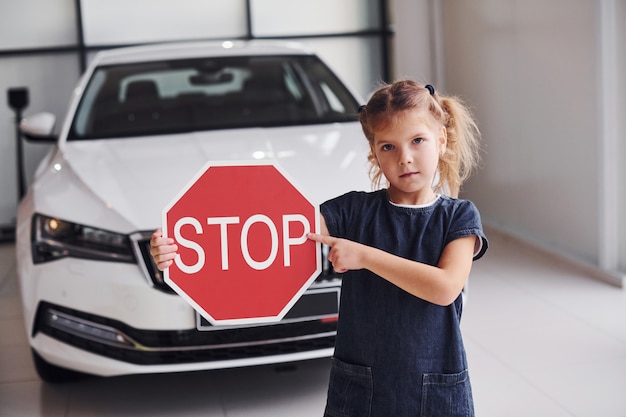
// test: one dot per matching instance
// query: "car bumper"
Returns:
(107, 318)
(59, 353)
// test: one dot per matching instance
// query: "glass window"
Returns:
(210, 93)
(124, 22)
(37, 24)
(318, 17)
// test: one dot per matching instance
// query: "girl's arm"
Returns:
(439, 284)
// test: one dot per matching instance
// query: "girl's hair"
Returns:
(462, 151)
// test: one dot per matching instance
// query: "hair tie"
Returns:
(431, 89)
(361, 108)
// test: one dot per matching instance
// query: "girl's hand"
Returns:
(345, 255)
(440, 284)
(162, 249)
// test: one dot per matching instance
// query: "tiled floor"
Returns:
(543, 340)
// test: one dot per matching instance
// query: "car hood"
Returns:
(133, 179)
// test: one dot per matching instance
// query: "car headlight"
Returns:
(53, 238)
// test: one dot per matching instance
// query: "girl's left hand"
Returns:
(163, 250)
(345, 255)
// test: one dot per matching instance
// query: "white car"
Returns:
(141, 123)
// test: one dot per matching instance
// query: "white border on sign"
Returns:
(296, 297)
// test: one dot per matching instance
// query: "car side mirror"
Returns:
(39, 127)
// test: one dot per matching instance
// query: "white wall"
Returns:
(545, 81)
(620, 111)
(529, 68)
(415, 44)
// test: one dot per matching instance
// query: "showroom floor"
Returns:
(543, 340)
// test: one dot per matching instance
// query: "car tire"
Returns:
(53, 374)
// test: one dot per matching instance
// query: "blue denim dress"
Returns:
(396, 354)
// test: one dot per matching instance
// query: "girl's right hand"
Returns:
(162, 249)
(344, 255)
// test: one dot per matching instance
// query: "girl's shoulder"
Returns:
(357, 197)
(354, 207)
(453, 203)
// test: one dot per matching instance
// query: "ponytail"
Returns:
(462, 154)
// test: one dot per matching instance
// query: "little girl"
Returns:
(405, 252)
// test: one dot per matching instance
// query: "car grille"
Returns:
(155, 276)
(93, 333)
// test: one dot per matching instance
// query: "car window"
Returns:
(173, 83)
(210, 93)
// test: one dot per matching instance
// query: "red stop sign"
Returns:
(243, 256)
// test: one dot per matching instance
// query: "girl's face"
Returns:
(407, 151)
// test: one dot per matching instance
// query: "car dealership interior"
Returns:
(544, 311)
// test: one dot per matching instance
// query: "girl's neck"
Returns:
(411, 199)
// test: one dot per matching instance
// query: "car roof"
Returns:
(183, 50)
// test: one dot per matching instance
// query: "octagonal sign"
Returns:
(243, 256)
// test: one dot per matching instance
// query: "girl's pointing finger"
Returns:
(326, 240)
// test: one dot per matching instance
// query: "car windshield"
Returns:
(210, 93)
